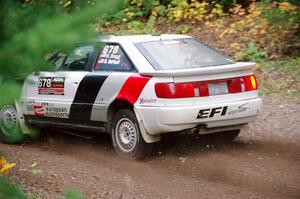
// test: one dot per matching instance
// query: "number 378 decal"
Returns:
(51, 86)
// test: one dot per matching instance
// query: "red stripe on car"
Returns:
(132, 88)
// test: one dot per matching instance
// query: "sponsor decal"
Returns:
(110, 55)
(49, 110)
(38, 110)
(239, 109)
(208, 113)
(59, 112)
(221, 111)
(147, 101)
(51, 86)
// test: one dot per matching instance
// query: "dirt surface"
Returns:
(263, 162)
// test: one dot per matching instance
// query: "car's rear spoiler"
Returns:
(201, 71)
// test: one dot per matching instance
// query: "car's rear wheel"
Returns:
(126, 136)
(10, 131)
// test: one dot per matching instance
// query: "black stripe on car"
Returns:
(85, 97)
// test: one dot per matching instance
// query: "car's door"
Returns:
(48, 96)
(113, 64)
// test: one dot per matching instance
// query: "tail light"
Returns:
(250, 83)
(174, 90)
(200, 89)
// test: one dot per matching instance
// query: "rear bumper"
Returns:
(158, 120)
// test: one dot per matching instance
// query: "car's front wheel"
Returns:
(126, 135)
(10, 131)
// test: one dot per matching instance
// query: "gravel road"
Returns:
(263, 162)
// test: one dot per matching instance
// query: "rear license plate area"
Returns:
(217, 88)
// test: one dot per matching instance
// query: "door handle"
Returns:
(75, 83)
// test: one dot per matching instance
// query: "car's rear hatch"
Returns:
(186, 68)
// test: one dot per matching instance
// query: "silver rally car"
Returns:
(136, 88)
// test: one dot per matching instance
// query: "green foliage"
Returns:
(281, 79)
(292, 66)
(72, 193)
(174, 10)
(182, 29)
(282, 16)
(226, 4)
(180, 10)
(10, 88)
(148, 5)
(193, 10)
(159, 10)
(150, 25)
(132, 10)
(30, 31)
(252, 53)
(138, 27)
(9, 190)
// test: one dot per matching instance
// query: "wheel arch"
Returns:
(116, 106)
(120, 104)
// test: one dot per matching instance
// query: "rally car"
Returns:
(136, 88)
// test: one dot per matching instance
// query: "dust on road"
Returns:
(263, 162)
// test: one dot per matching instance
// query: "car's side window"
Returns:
(113, 58)
(74, 61)
(57, 59)
(60, 60)
(78, 59)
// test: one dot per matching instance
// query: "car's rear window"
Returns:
(180, 54)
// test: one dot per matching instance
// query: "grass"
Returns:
(280, 79)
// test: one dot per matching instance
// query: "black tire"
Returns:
(10, 131)
(126, 136)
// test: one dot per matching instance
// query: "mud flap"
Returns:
(24, 128)
(148, 138)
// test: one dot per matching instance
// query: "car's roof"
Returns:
(140, 38)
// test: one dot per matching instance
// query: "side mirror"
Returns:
(36, 73)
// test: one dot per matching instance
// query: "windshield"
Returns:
(180, 54)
